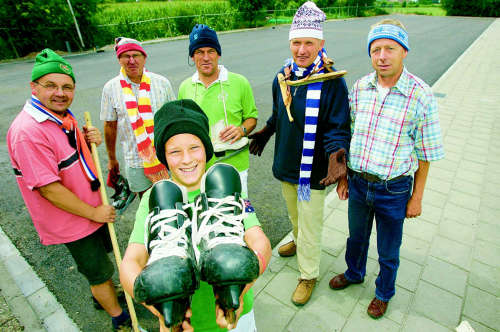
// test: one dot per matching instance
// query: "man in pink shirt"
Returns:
(57, 179)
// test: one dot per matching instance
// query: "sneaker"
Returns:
(170, 277)
(122, 323)
(303, 292)
(224, 259)
(288, 249)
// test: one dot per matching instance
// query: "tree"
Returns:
(249, 8)
(32, 25)
(490, 8)
(360, 3)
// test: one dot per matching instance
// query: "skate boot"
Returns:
(170, 276)
(122, 196)
(224, 260)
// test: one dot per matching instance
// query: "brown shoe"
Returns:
(377, 308)
(288, 249)
(340, 282)
(303, 291)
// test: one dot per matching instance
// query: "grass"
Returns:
(137, 11)
(430, 11)
(173, 18)
(160, 19)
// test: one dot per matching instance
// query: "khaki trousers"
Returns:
(307, 222)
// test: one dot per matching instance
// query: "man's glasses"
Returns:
(51, 87)
(134, 56)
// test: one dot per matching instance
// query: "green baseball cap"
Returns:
(48, 62)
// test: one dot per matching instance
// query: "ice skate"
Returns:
(170, 276)
(122, 196)
(224, 260)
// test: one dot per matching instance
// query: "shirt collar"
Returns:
(223, 76)
(402, 85)
(35, 114)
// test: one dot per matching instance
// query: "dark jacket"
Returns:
(333, 131)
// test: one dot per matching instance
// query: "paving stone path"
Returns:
(450, 257)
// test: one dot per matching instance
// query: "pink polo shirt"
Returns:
(40, 154)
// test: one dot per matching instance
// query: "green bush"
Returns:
(488, 8)
(36, 24)
(249, 9)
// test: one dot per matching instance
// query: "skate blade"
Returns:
(173, 311)
(141, 329)
(130, 199)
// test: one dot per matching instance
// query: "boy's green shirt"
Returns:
(203, 300)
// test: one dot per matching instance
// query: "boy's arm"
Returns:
(134, 261)
(258, 242)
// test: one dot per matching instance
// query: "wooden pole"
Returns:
(111, 228)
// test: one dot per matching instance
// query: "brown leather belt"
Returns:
(372, 177)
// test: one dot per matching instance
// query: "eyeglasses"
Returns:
(51, 87)
(134, 56)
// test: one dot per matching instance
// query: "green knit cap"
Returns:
(48, 62)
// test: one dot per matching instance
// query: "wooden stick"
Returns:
(111, 228)
(285, 94)
(317, 78)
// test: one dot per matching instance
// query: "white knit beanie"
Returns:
(307, 22)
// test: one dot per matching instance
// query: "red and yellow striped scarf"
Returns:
(141, 117)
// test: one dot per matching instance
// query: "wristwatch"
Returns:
(244, 130)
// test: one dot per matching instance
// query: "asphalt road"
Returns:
(435, 44)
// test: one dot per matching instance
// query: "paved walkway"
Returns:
(450, 258)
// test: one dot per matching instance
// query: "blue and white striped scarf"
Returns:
(310, 124)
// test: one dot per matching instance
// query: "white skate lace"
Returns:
(231, 226)
(170, 241)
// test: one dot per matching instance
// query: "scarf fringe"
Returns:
(160, 175)
(95, 185)
(304, 192)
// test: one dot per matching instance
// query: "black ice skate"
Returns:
(170, 276)
(224, 260)
(122, 196)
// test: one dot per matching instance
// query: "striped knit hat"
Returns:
(388, 31)
(123, 44)
(307, 22)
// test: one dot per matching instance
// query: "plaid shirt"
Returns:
(390, 135)
(113, 108)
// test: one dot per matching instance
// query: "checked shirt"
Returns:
(390, 134)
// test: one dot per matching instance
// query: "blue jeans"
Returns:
(386, 201)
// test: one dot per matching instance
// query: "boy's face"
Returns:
(186, 159)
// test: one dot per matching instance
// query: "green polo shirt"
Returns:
(239, 101)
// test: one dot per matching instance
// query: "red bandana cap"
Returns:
(123, 44)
